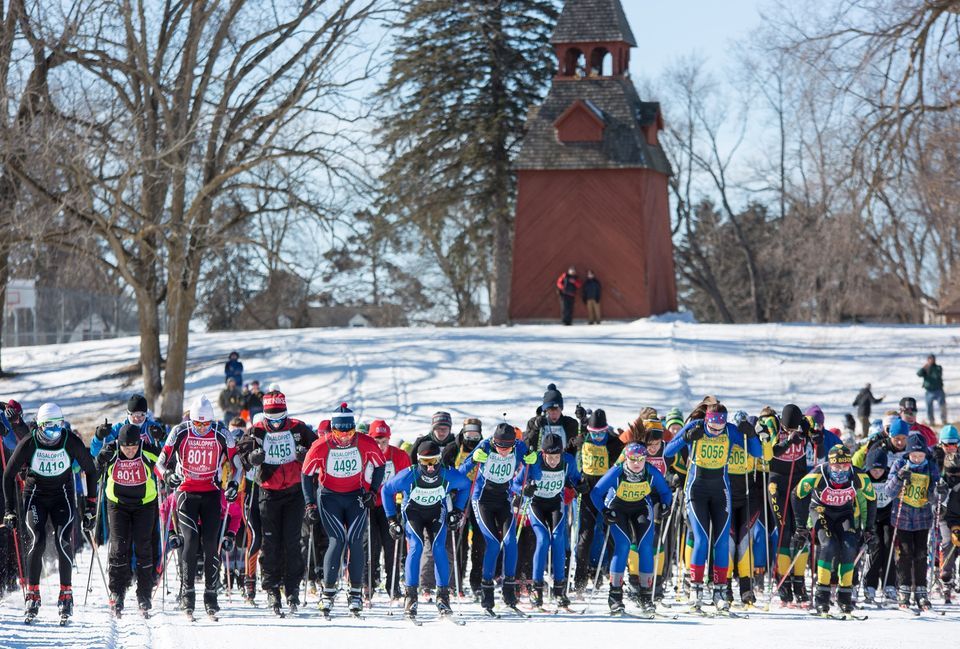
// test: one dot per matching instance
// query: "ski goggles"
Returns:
(275, 416)
(136, 417)
(472, 436)
(428, 460)
(50, 429)
(201, 427)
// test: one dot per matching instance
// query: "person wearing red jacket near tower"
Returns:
(275, 448)
(567, 286)
(191, 462)
(349, 468)
(380, 539)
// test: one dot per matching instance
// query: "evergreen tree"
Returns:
(464, 74)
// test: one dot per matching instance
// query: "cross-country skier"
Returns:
(948, 491)
(469, 540)
(49, 495)
(381, 541)
(627, 497)
(424, 515)
(340, 464)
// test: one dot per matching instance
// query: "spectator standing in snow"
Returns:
(864, 403)
(591, 297)
(253, 399)
(932, 375)
(231, 400)
(233, 369)
(567, 286)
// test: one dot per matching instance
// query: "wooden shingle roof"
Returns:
(593, 21)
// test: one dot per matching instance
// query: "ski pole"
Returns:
(370, 560)
(893, 538)
(396, 573)
(789, 569)
(93, 544)
(306, 572)
(664, 527)
(596, 579)
(456, 573)
(14, 532)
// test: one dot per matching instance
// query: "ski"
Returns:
(358, 615)
(912, 611)
(562, 609)
(145, 614)
(190, 616)
(28, 619)
(326, 615)
(839, 617)
(279, 613)
(489, 612)
(212, 616)
(450, 618)
(731, 614)
(518, 612)
(413, 620)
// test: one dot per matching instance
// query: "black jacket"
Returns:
(591, 289)
(864, 401)
(534, 432)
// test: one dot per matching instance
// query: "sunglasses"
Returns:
(908, 411)
(137, 417)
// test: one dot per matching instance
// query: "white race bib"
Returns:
(555, 429)
(499, 469)
(426, 497)
(343, 462)
(199, 458)
(50, 464)
(278, 448)
(550, 484)
(388, 470)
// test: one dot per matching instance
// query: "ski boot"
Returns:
(326, 600)
(249, 589)
(845, 600)
(144, 604)
(720, 593)
(560, 595)
(645, 600)
(509, 592)
(65, 602)
(785, 592)
(890, 593)
(947, 592)
(410, 602)
(275, 601)
(293, 603)
(355, 600)
(800, 591)
(920, 596)
(210, 603)
(697, 597)
(904, 595)
(615, 600)
(631, 589)
(822, 598)
(31, 603)
(486, 597)
(658, 591)
(188, 600)
(115, 601)
(869, 595)
(536, 595)
(748, 598)
(443, 601)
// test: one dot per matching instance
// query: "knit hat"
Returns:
(674, 416)
(908, 403)
(876, 427)
(816, 414)
(649, 414)
(275, 405)
(552, 398)
(552, 444)
(342, 419)
(379, 429)
(472, 425)
(15, 407)
(791, 418)
(899, 427)
(915, 443)
(876, 458)
(137, 403)
(201, 409)
(363, 427)
(441, 418)
(654, 429)
(129, 435)
(597, 422)
(949, 435)
(505, 436)
(428, 448)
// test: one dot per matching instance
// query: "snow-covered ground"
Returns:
(403, 375)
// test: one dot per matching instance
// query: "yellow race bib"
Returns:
(738, 464)
(711, 452)
(631, 492)
(595, 459)
(915, 492)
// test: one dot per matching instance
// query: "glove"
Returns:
(454, 518)
(174, 541)
(229, 542)
(610, 516)
(871, 540)
(529, 489)
(256, 457)
(904, 473)
(796, 438)
(694, 433)
(583, 487)
(106, 454)
(517, 500)
(301, 452)
(801, 536)
(748, 431)
(10, 520)
(312, 514)
(173, 479)
(480, 456)
(11, 415)
(157, 432)
(674, 480)
(90, 514)
(232, 491)
(943, 488)
(530, 458)
(580, 413)
(395, 527)
(366, 499)
(103, 430)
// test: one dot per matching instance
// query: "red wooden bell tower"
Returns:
(592, 178)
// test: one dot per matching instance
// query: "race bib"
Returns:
(631, 492)
(711, 452)
(837, 497)
(737, 464)
(389, 470)
(595, 459)
(794, 452)
(50, 464)
(427, 496)
(550, 484)
(343, 462)
(915, 492)
(883, 498)
(129, 473)
(659, 464)
(555, 429)
(499, 469)
(278, 448)
(200, 458)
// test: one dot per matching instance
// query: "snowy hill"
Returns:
(403, 375)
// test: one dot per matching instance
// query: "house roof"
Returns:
(593, 21)
(624, 144)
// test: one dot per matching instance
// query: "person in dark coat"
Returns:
(233, 369)
(567, 286)
(864, 402)
(932, 375)
(591, 297)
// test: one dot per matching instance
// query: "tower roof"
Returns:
(593, 21)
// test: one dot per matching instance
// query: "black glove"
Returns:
(312, 514)
(90, 514)
(454, 518)
(529, 489)
(301, 452)
(580, 413)
(157, 432)
(103, 430)
(517, 501)
(871, 540)
(229, 542)
(583, 487)
(173, 479)
(12, 415)
(395, 527)
(610, 516)
(674, 480)
(942, 488)
(366, 499)
(904, 473)
(232, 491)
(801, 536)
(796, 438)
(10, 520)
(694, 433)
(256, 457)
(106, 454)
(174, 541)
(747, 430)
